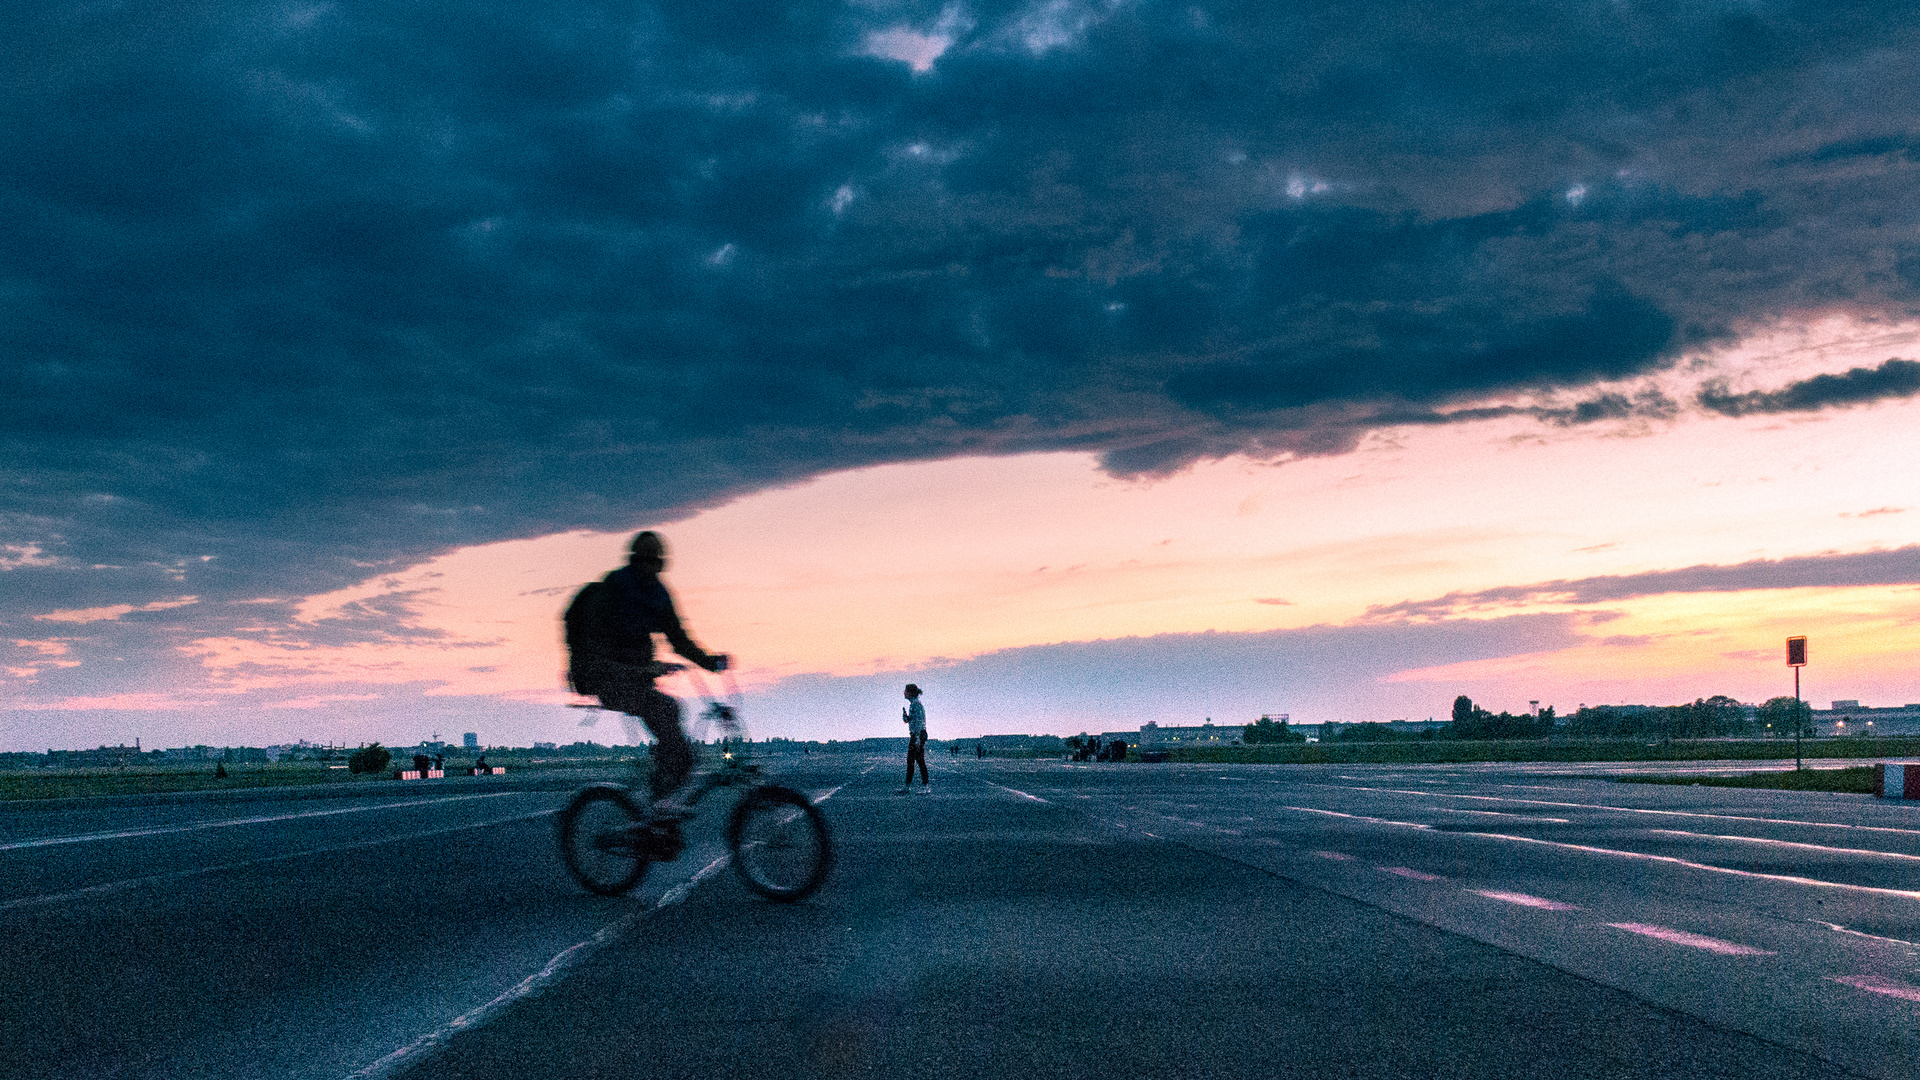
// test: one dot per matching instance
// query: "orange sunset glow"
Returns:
(910, 571)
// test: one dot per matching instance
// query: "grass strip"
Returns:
(1853, 780)
(1449, 751)
(24, 784)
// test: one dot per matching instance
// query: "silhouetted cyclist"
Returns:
(640, 608)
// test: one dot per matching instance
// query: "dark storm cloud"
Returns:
(1856, 386)
(1900, 566)
(291, 293)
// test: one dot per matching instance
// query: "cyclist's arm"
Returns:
(683, 644)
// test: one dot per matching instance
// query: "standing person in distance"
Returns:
(914, 715)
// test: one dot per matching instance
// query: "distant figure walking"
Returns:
(914, 715)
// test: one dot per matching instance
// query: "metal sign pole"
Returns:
(1797, 659)
(1796, 720)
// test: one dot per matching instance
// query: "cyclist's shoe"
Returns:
(659, 841)
(667, 843)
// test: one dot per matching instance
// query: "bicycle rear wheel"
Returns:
(597, 839)
(779, 843)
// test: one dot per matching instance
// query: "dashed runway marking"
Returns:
(181, 875)
(1358, 817)
(1792, 879)
(1405, 872)
(1524, 900)
(1497, 813)
(162, 830)
(1625, 809)
(1790, 844)
(1873, 984)
(1697, 941)
(1014, 791)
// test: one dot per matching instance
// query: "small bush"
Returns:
(371, 758)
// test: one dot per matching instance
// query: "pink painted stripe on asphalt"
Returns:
(1525, 900)
(1417, 875)
(1875, 985)
(1698, 941)
(1337, 856)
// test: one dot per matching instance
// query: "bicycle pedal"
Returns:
(665, 845)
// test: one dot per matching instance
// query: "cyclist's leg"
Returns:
(672, 754)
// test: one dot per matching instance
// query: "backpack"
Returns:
(592, 635)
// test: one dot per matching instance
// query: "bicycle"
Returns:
(777, 838)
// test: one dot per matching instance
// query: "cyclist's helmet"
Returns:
(647, 547)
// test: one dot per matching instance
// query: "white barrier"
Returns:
(1897, 781)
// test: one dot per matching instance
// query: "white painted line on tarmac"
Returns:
(1791, 879)
(825, 795)
(1870, 890)
(1362, 817)
(1524, 900)
(1626, 809)
(681, 891)
(562, 960)
(1498, 813)
(1336, 856)
(1697, 941)
(1014, 791)
(1791, 844)
(1873, 984)
(1417, 875)
(161, 830)
(181, 875)
(1838, 929)
(566, 958)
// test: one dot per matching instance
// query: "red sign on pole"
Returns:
(1796, 652)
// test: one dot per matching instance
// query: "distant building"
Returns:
(1332, 728)
(1849, 717)
(471, 740)
(92, 759)
(1207, 734)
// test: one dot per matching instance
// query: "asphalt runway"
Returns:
(1023, 916)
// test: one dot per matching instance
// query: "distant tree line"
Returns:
(1267, 732)
(1470, 721)
(1705, 718)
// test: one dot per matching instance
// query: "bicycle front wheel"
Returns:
(597, 839)
(779, 843)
